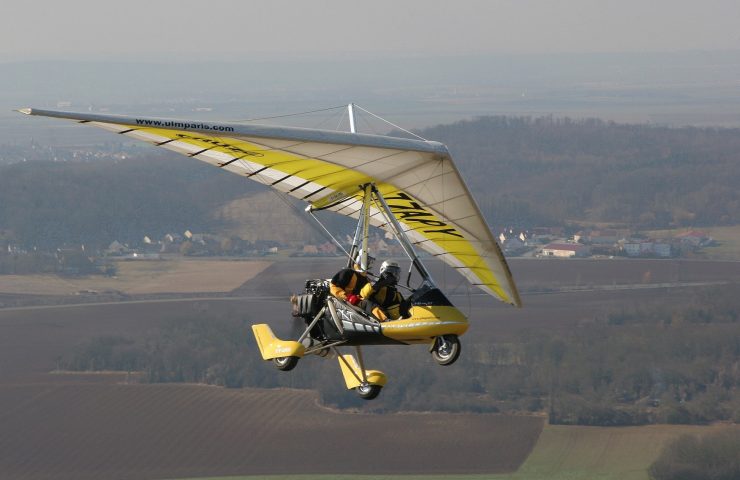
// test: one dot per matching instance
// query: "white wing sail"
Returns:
(418, 179)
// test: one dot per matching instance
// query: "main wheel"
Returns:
(368, 392)
(446, 349)
(285, 363)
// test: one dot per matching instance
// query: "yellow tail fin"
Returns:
(272, 347)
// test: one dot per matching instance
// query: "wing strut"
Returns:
(400, 235)
(371, 195)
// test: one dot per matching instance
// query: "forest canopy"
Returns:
(546, 170)
(523, 172)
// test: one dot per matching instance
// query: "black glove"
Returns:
(378, 285)
(405, 309)
(383, 281)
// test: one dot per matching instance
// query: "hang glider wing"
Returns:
(326, 169)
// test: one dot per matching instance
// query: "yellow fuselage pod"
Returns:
(353, 373)
(272, 347)
(426, 322)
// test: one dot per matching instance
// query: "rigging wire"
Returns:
(339, 122)
(391, 123)
(341, 115)
(299, 212)
(329, 235)
(368, 125)
(470, 300)
(338, 114)
(291, 114)
(286, 199)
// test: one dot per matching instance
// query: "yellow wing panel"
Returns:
(448, 239)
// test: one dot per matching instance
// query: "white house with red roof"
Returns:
(566, 250)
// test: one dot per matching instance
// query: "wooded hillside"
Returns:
(47, 204)
(523, 172)
(526, 171)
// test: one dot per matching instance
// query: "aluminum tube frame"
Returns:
(311, 325)
(408, 248)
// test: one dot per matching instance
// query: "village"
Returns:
(542, 242)
(552, 242)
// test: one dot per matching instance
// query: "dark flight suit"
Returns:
(347, 282)
(385, 302)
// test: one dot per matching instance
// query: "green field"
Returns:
(567, 452)
(728, 241)
(563, 452)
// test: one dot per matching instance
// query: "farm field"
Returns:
(565, 453)
(143, 277)
(91, 426)
(598, 453)
(729, 243)
(728, 239)
(81, 430)
(33, 338)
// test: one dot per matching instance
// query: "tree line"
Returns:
(545, 170)
(522, 171)
(675, 364)
(46, 204)
(713, 456)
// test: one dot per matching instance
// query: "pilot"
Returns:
(383, 299)
(348, 282)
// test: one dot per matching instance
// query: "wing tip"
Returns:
(25, 111)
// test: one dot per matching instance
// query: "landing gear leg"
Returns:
(367, 383)
(446, 349)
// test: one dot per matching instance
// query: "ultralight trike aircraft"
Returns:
(407, 187)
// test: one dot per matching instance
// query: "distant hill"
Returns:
(47, 204)
(270, 215)
(526, 171)
(522, 172)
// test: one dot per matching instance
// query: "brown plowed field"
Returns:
(143, 277)
(98, 426)
(93, 426)
(92, 431)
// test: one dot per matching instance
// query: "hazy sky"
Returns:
(223, 29)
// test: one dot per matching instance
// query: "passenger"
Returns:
(384, 300)
(348, 282)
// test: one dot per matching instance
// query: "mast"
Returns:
(367, 196)
(359, 243)
(351, 114)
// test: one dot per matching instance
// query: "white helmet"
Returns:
(391, 269)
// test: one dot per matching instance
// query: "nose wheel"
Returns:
(446, 349)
